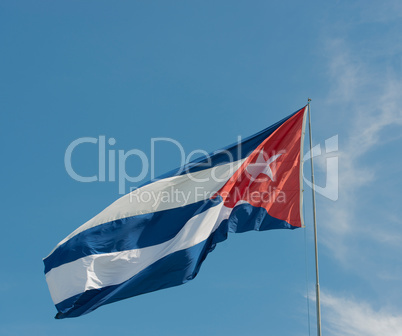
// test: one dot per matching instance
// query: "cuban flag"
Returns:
(158, 235)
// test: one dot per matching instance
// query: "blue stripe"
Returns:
(246, 217)
(237, 152)
(174, 269)
(127, 233)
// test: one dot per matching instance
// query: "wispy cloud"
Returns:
(371, 104)
(362, 230)
(348, 317)
(384, 11)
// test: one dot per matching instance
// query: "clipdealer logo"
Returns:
(117, 172)
(110, 171)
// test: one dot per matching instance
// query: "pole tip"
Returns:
(308, 99)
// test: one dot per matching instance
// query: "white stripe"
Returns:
(100, 270)
(178, 191)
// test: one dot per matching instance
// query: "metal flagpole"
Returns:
(317, 289)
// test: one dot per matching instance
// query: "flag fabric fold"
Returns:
(158, 235)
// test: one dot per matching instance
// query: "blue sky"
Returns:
(204, 73)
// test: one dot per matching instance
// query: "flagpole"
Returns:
(317, 288)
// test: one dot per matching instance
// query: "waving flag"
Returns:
(152, 238)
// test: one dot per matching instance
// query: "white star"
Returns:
(261, 167)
